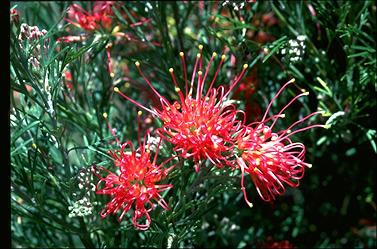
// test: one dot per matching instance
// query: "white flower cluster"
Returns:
(148, 7)
(32, 35)
(84, 180)
(81, 208)
(236, 6)
(296, 48)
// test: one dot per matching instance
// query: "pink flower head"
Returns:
(135, 185)
(271, 158)
(199, 127)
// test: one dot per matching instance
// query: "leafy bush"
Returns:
(81, 72)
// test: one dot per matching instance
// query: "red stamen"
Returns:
(276, 95)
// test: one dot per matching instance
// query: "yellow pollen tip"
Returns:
(139, 113)
(104, 115)
(116, 29)
(250, 204)
(289, 131)
(181, 54)
(137, 64)
(177, 89)
(200, 46)
(34, 146)
(257, 162)
(327, 126)
(282, 115)
(198, 55)
(116, 89)
(223, 57)
(127, 85)
(306, 93)
(214, 54)
(112, 75)
(200, 73)
(292, 80)
(309, 165)
(321, 82)
(245, 66)
(171, 70)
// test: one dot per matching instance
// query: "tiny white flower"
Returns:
(301, 37)
(293, 43)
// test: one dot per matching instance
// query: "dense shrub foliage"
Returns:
(248, 124)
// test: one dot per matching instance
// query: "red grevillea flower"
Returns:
(271, 158)
(136, 182)
(101, 13)
(199, 127)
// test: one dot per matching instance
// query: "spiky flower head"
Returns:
(271, 158)
(201, 126)
(135, 184)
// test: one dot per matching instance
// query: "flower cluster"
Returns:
(207, 126)
(271, 158)
(100, 16)
(295, 49)
(82, 207)
(31, 35)
(135, 182)
(201, 126)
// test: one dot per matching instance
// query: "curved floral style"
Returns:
(271, 158)
(136, 182)
(199, 127)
